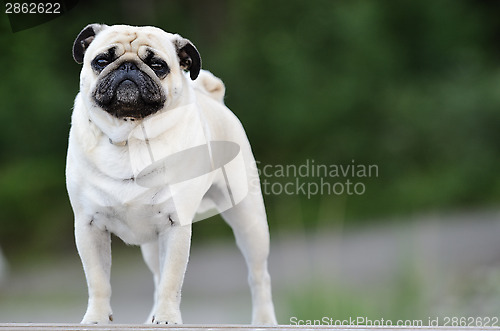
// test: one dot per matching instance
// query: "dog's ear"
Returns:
(189, 58)
(85, 37)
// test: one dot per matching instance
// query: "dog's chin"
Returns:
(134, 110)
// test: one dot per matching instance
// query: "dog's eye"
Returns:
(159, 67)
(101, 62)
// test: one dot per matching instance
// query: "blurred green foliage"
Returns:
(411, 86)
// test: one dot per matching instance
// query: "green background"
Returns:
(411, 86)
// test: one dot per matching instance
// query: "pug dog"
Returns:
(151, 145)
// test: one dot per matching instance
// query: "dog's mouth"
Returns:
(129, 94)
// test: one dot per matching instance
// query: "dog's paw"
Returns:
(98, 312)
(265, 316)
(171, 320)
(94, 319)
(160, 322)
(98, 316)
(271, 320)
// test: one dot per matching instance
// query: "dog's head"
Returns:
(133, 72)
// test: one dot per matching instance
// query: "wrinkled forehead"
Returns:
(134, 40)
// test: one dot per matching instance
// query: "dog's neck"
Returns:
(117, 130)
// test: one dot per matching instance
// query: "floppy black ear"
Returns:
(85, 37)
(189, 57)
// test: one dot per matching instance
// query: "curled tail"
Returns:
(210, 85)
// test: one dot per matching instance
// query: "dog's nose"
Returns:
(128, 66)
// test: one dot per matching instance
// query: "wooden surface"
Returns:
(138, 327)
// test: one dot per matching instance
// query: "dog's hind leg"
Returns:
(249, 223)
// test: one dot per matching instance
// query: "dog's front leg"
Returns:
(94, 247)
(174, 245)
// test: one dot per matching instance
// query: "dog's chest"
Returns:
(135, 222)
(134, 214)
(117, 204)
(138, 188)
